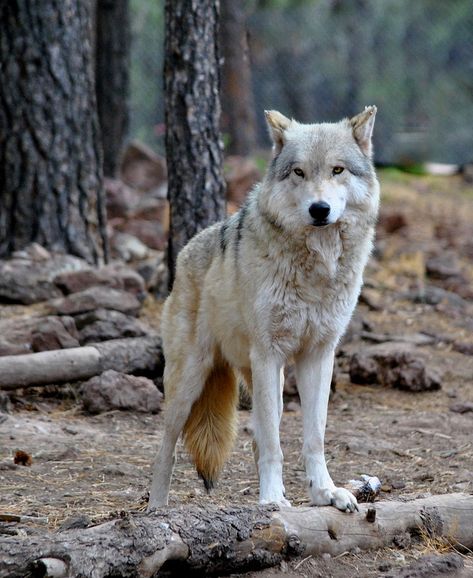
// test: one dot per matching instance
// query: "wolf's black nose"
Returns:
(319, 211)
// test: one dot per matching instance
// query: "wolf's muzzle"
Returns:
(319, 212)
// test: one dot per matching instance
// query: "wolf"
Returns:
(275, 282)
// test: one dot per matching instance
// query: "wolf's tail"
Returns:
(210, 429)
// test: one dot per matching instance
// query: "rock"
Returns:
(114, 390)
(357, 327)
(462, 407)
(432, 566)
(152, 209)
(24, 334)
(96, 298)
(28, 276)
(142, 168)
(151, 233)
(55, 333)
(103, 324)
(392, 365)
(74, 522)
(241, 174)
(463, 347)
(391, 221)
(432, 295)
(120, 198)
(128, 247)
(5, 402)
(116, 276)
(443, 267)
(155, 274)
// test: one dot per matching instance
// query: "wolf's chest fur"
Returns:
(314, 293)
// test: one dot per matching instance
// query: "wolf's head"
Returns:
(320, 173)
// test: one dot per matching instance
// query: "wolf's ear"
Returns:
(362, 125)
(277, 124)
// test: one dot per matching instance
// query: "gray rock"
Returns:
(433, 566)
(96, 298)
(114, 390)
(142, 168)
(116, 276)
(128, 247)
(28, 276)
(55, 333)
(104, 324)
(392, 365)
(27, 334)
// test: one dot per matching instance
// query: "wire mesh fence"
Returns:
(321, 60)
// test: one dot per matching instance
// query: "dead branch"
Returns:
(230, 540)
(129, 355)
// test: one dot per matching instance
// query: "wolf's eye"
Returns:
(337, 170)
(299, 172)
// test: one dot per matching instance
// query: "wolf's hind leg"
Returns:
(183, 387)
(313, 374)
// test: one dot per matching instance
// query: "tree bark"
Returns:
(238, 112)
(112, 64)
(50, 158)
(235, 539)
(193, 146)
(130, 355)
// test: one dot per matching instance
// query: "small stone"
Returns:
(293, 406)
(384, 566)
(398, 484)
(96, 298)
(114, 390)
(75, 522)
(104, 324)
(393, 365)
(462, 407)
(55, 333)
(141, 168)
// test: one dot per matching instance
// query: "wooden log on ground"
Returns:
(137, 354)
(234, 539)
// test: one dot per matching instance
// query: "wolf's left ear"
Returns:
(362, 125)
(277, 124)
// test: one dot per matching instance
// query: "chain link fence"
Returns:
(321, 60)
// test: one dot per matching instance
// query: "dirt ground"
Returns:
(415, 444)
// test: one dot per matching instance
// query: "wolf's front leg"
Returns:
(267, 407)
(314, 374)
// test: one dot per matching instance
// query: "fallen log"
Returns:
(219, 541)
(130, 355)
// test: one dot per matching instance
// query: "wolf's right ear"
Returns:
(362, 125)
(277, 124)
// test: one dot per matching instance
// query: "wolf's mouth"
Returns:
(323, 223)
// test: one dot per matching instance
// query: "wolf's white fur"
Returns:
(268, 286)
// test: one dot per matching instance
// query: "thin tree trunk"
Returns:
(238, 112)
(112, 63)
(50, 158)
(216, 541)
(193, 146)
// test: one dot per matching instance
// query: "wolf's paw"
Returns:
(339, 497)
(279, 501)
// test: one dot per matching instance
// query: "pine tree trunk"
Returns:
(50, 158)
(193, 146)
(237, 97)
(111, 78)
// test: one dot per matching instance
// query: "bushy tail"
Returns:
(210, 429)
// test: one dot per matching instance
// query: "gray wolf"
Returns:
(277, 281)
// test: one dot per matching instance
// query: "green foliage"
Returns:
(322, 59)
